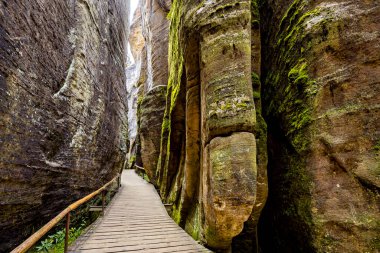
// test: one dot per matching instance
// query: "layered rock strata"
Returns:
(308, 69)
(149, 43)
(320, 73)
(208, 167)
(63, 123)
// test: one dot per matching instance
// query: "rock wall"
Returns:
(212, 165)
(320, 73)
(246, 241)
(155, 30)
(149, 43)
(135, 72)
(278, 93)
(63, 122)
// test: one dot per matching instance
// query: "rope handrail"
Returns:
(28, 243)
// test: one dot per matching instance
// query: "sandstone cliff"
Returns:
(256, 120)
(149, 43)
(208, 165)
(320, 75)
(288, 87)
(63, 119)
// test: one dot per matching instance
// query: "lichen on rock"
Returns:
(209, 97)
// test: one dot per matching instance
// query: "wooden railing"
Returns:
(139, 169)
(65, 213)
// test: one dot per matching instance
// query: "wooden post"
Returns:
(103, 201)
(28, 243)
(67, 231)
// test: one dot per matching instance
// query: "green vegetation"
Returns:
(146, 178)
(290, 91)
(131, 161)
(140, 100)
(194, 224)
(375, 243)
(299, 77)
(255, 79)
(291, 86)
(255, 20)
(55, 243)
(299, 185)
(175, 54)
(377, 146)
(176, 61)
(291, 104)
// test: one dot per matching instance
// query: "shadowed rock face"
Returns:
(62, 109)
(151, 114)
(135, 78)
(321, 100)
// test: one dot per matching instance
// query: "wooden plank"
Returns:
(96, 208)
(145, 248)
(152, 239)
(132, 245)
(130, 235)
(136, 221)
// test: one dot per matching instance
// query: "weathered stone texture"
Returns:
(321, 99)
(62, 106)
(225, 70)
(307, 68)
(136, 76)
(229, 187)
(136, 38)
(246, 241)
(208, 159)
(151, 115)
(155, 30)
(149, 44)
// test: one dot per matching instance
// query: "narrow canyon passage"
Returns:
(256, 123)
(262, 129)
(136, 221)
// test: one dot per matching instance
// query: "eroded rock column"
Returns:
(229, 163)
(210, 176)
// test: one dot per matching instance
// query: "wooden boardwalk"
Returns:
(136, 221)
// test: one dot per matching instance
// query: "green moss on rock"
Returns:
(176, 61)
(377, 146)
